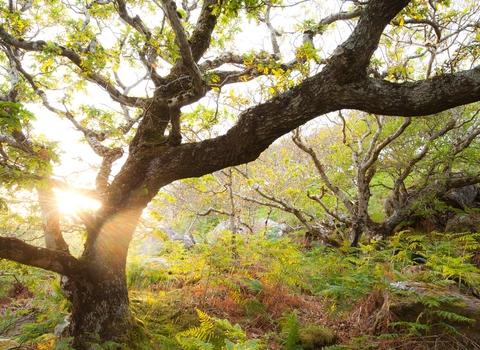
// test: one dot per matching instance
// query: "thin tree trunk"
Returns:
(356, 232)
(233, 216)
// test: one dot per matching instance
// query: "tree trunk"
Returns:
(101, 310)
(359, 214)
(356, 232)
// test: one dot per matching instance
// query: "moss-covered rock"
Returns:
(435, 306)
(465, 222)
(313, 336)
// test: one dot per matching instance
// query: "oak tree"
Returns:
(153, 59)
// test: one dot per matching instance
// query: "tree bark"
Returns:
(101, 309)
(402, 211)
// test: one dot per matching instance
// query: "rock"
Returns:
(465, 222)
(225, 226)
(151, 246)
(461, 197)
(411, 309)
(169, 232)
(456, 197)
(270, 228)
(185, 239)
(314, 337)
(392, 203)
(61, 329)
(15, 329)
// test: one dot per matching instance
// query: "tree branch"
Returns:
(51, 220)
(185, 51)
(352, 58)
(40, 45)
(318, 199)
(135, 22)
(420, 98)
(321, 171)
(213, 210)
(201, 36)
(260, 125)
(340, 16)
(371, 157)
(48, 259)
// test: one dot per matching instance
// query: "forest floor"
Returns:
(274, 294)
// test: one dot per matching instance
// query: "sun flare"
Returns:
(70, 202)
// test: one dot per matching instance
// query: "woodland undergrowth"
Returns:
(274, 294)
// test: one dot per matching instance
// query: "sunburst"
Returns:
(70, 202)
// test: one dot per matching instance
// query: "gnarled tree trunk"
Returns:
(101, 310)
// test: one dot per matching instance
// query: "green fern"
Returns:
(413, 328)
(429, 316)
(214, 333)
(290, 326)
(452, 316)
(251, 344)
(203, 333)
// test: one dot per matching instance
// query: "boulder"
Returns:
(169, 232)
(151, 246)
(225, 226)
(411, 309)
(461, 197)
(464, 222)
(186, 240)
(270, 228)
(456, 197)
(61, 329)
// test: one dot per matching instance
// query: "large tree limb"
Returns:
(259, 126)
(424, 97)
(53, 260)
(51, 220)
(352, 58)
(188, 61)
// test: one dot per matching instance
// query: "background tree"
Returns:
(151, 64)
(405, 162)
(365, 173)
